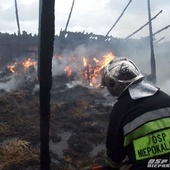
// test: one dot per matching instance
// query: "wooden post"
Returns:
(46, 41)
(143, 26)
(118, 18)
(88, 74)
(17, 17)
(69, 16)
(153, 64)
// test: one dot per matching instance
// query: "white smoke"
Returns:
(12, 83)
(162, 60)
(74, 59)
(71, 58)
(72, 84)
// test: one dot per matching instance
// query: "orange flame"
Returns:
(27, 63)
(11, 68)
(106, 59)
(68, 71)
(96, 60)
(16, 67)
(59, 57)
(92, 73)
(84, 61)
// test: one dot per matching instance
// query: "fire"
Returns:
(27, 63)
(59, 57)
(96, 60)
(106, 59)
(84, 61)
(68, 71)
(88, 70)
(93, 69)
(18, 66)
(12, 68)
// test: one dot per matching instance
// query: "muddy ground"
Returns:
(78, 124)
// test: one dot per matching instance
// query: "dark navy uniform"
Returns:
(140, 129)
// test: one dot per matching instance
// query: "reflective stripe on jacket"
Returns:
(146, 124)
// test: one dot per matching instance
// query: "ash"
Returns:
(78, 124)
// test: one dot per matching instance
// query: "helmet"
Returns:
(119, 74)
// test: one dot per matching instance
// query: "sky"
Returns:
(91, 16)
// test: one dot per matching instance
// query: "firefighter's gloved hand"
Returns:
(111, 164)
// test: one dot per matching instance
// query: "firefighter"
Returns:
(139, 125)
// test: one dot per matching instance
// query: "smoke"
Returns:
(140, 55)
(72, 58)
(19, 77)
(57, 66)
(162, 66)
(14, 83)
(162, 60)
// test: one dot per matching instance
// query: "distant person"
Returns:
(139, 126)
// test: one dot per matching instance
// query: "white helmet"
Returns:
(119, 74)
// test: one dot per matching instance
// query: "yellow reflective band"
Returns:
(146, 129)
(152, 145)
(146, 117)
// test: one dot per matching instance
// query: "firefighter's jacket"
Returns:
(140, 129)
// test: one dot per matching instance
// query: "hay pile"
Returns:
(72, 112)
(15, 153)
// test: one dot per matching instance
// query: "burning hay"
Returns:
(93, 68)
(76, 129)
(15, 153)
(80, 68)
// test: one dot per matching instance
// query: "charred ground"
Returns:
(78, 124)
